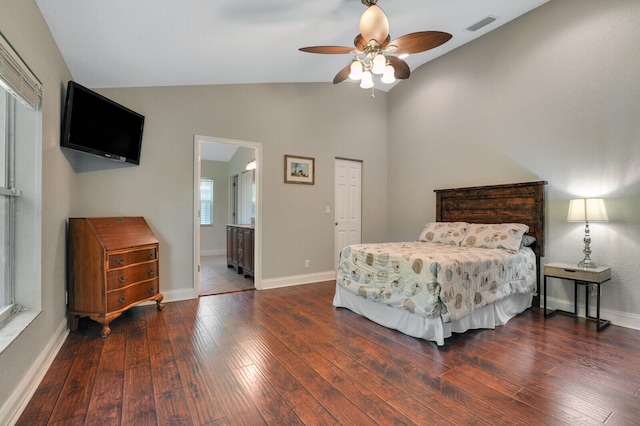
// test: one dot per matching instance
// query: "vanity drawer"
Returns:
(120, 299)
(118, 260)
(123, 277)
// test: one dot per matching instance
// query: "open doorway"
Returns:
(222, 164)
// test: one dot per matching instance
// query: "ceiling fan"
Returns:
(374, 53)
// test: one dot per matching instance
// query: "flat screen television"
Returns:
(97, 125)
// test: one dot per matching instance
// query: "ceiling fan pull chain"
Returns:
(373, 93)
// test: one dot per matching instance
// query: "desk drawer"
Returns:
(118, 260)
(120, 299)
(123, 277)
(596, 275)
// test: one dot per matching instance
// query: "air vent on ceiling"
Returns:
(486, 21)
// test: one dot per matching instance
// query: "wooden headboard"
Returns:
(510, 203)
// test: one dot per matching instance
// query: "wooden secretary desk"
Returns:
(112, 266)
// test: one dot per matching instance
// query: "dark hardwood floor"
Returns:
(286, 356)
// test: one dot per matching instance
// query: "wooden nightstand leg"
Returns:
(587, 292)
(544, 301)
(598, 308)
(545, 313)
(575, 298)
(544, 305)
(600, 325)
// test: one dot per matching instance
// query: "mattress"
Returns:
(433, 280)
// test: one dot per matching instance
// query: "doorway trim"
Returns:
(197, 139)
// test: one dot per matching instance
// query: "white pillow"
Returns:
(527, 240)
(507, 236)
(444, 232)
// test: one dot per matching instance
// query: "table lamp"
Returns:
(587, 210)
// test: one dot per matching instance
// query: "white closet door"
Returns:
(348, 204)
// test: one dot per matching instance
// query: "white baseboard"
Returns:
(297, 280)
(189, 293)
(174, 296)
(11, 411)
(181, 294)
(623, 319)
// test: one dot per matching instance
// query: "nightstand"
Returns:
(579, 276)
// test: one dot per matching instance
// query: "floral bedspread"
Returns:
(433, 279)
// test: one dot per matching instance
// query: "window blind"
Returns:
(206, 201)
(17, 78)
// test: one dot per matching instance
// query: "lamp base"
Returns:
(587, 263)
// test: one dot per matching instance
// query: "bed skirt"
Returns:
(432, 329)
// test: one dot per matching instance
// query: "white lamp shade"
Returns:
(356, 71)
(587, 210)
(367, 80)
(378, 64)
(388, 76)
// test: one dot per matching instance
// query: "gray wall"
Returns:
(213, 239)
(22, 24)
(553, 95)
(314, 120)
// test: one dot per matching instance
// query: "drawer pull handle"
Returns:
(570, 270)
(150, 255)
(121, 279)
(120, 261)
(122, 299)
(150, 271)
(151, 289)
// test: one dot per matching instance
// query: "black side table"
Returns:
(580, 276)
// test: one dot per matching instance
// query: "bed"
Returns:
(476, 266)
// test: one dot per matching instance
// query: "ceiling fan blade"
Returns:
(419, 42)
(385, 43)
(374, 24)
(328, 50)
(342, 75)
(401, 68)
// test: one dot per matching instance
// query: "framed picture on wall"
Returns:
(299, 169)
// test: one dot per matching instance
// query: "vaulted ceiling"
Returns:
(128, 43)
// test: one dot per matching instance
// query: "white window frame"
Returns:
(8, 192)
(21, 236)
(206, 202)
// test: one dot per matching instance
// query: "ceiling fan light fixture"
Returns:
(356, 70)
(373, 43)
(367, 80)
(379, 61)
(388, 76)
